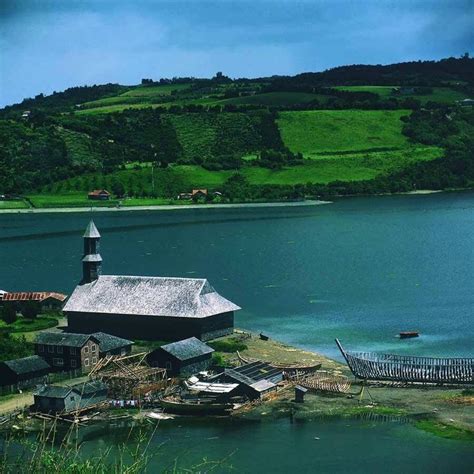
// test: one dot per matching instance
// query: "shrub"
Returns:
(8, 313)
(229, 345)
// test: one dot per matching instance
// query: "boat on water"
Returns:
(195, 406)
(408, 334)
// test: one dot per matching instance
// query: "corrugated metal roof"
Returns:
(263, 386)
(32, 296)
(149, 296)
(27, 365)
(187, 348)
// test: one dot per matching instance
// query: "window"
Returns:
(123, 351)
(58, 362)
(93, 347)
(40, 348)
(73, 363)
(72, 350)
(72, 398)
(168, 365)
(51, 349)
(86, 362)
(94, 360)
(59, 349)
(86, 350)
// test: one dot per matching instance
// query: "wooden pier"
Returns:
(374, 366)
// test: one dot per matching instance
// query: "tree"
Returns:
(31, 309)
(8, 313)
(117, 188)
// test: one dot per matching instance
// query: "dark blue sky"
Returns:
(48, 45)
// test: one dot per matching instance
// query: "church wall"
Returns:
(151, 328)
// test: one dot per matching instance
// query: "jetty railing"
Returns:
(401, 368)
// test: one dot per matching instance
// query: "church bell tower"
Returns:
(91, 260)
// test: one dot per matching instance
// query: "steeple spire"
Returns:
(91, 260)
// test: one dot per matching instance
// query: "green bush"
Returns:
(229, 345)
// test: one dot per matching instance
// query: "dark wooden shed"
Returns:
(24, 372)
(185, 357)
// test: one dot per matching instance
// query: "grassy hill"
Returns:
(314, 132)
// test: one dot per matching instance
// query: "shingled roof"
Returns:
(149, 296)
(62, 338)
(187, 348)
(27, 365)
(106, 342)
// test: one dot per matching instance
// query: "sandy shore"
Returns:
(163, 207)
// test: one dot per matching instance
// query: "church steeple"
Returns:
(91, 260)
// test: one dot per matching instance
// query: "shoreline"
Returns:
(164, 207)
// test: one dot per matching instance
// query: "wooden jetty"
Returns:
(400, 368)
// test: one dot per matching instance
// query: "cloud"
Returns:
(51, 44)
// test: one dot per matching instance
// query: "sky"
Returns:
(49, 45)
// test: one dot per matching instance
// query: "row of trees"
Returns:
(29, 310)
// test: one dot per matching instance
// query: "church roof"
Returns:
(149, 296)
(91, 231)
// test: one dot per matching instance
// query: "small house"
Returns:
(56, 399)
(199, 194)
(185, 357)
(48, 300)
(185, 196)
(25, 372)
(256, 380)
(69, 351)
(99, 195)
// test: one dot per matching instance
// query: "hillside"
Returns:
(351, 129)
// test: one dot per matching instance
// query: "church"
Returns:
(142, 307)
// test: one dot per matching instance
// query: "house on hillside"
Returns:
(144, 307)
(185, 357)
(99, 195)
(25, 372)
(199, 194)
(48, 300)
(56, 399)
(70, 351)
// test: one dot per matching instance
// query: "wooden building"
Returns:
(24, 372)
(71, 351)
(55, 399)
(256, 380)
(185, 357)
(48, 300)
(143, 307)
(99, 195)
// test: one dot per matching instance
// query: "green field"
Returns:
(67, 199)
(318, 131)
(13, 205)
(276, 98)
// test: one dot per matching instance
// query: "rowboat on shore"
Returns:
(195, 406)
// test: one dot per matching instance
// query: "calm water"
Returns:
(360, 269)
